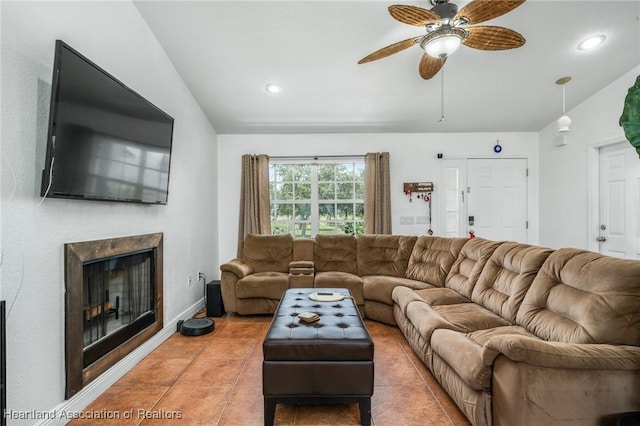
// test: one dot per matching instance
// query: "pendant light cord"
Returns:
(441, 96)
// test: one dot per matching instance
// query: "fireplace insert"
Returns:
(113, 302)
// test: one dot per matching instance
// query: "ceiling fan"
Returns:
(447, 28)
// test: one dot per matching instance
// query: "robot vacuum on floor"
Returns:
(196, 326)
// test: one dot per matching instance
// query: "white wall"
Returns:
(564, 170)
(113, 35)
(412, 159)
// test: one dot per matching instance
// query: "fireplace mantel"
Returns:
(76, 256)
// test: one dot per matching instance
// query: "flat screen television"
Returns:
(105, 141)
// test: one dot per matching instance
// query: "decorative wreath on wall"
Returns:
(630, 118)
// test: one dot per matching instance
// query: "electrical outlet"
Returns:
(189, 281)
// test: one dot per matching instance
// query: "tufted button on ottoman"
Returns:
(329, 361)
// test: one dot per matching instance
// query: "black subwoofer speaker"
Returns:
(215, 308)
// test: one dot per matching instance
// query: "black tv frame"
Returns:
(50, 150)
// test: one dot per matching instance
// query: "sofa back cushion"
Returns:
(384, 254)
(268, 253)
(432, 258)
(466, 269)
(303, 249)
(507, 276)
(584, 297)
(335, 253)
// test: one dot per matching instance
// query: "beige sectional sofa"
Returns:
(516, 334)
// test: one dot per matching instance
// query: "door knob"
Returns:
(601, 239)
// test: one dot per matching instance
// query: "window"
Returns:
(323, 197)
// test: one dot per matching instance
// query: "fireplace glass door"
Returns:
(119, 301)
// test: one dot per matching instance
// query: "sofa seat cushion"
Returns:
(441, 296)
(268, 285)
(468, 355)
(335, 279)
(468, 317)
(380, 287)
(463, 317)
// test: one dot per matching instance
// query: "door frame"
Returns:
(593, 189)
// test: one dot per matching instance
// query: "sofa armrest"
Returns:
(238, 267)
(301, 264)
(562, 355)
(301, 267)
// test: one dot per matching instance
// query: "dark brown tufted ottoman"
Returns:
(329, 361)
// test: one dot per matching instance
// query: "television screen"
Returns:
(105, 141)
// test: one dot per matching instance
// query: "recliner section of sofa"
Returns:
(548, 337)
(254, 283)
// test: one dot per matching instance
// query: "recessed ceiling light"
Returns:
(273, 88)
(591, 42)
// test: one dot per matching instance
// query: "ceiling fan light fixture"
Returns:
(443, 42)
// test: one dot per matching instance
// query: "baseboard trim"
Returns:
(64, 412)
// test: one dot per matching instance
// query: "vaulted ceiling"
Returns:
(228, 51)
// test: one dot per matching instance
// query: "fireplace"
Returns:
(113, 302)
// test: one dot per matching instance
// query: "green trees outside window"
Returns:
(317, 198)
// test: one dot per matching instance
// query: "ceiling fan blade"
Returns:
(413, 15)
(492, 38)
(482, 10)
(389, 50)
(429, 66)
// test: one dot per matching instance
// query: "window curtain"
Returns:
(377, 198)
(255, 216)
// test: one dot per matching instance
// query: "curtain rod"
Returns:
(313, 157)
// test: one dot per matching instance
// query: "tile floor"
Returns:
(215, 379)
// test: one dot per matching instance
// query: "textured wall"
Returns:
(113, 35)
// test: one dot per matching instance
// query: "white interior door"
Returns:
(619, 201)
(497, 198)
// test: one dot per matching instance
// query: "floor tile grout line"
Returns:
(193, 359)
(410, 359)
(235, 383)
(156, 404)
(170, 387)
